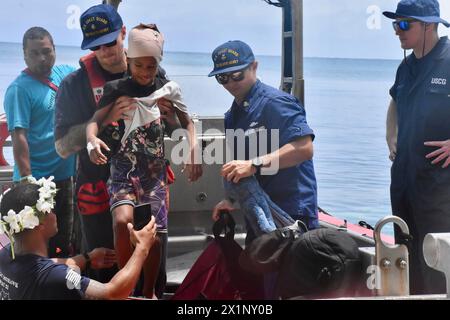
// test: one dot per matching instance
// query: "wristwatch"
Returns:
(258, 164)
(87, 261)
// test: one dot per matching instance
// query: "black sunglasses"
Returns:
(403, 25)
(111, 44)
(224, 78)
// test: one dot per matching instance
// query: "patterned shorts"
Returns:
(138, 180)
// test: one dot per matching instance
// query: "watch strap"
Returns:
(87, 261)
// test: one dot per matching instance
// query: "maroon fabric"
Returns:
(93, 198)
(216, 275)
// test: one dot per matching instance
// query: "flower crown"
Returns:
(28, 217)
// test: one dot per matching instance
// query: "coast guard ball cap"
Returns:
(423, 10)
(100, 24)
(145, 40)
(231, 56)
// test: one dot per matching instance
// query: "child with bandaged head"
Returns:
(138, 184)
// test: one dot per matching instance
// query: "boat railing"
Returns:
(190, 219)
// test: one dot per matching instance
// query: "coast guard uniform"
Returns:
(293, 189)
(420, 191)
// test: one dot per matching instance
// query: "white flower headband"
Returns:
(28, 217)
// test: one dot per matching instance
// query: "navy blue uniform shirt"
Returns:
(422, 94)
(420, 190)
(32, 277)
(293, 189)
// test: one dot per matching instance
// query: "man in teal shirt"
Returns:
(29, 106)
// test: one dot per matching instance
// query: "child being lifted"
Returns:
(138, 180)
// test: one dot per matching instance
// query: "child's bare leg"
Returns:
(121, 216)
(151, 269)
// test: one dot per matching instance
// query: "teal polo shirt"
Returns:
(30, 104)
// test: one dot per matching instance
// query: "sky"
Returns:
(332, 28)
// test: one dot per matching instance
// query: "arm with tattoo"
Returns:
(72, 142)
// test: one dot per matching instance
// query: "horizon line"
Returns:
(261, 55)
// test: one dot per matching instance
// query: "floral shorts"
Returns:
(138, 180)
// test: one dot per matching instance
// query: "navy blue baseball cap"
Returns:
(231, 56)
(100, 24)
(422, 10)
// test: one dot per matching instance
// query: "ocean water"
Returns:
(346, 102)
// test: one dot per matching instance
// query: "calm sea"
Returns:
(346, 103)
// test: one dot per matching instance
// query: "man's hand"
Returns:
(123, 282)
(96, 155)
(237, 169)
(144, 237)
(21, 151)
(441, 153)
(119, 109)
(392, 129)
(392, 145)
(102, 258)
(222, 205)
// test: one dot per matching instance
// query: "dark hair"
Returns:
(36, 33)
(24, 194)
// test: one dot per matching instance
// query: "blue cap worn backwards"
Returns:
(422, 10)
(100, 24)
(231, 56)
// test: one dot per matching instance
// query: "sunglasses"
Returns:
(111, 44)
(403, 25)
(224, 78)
